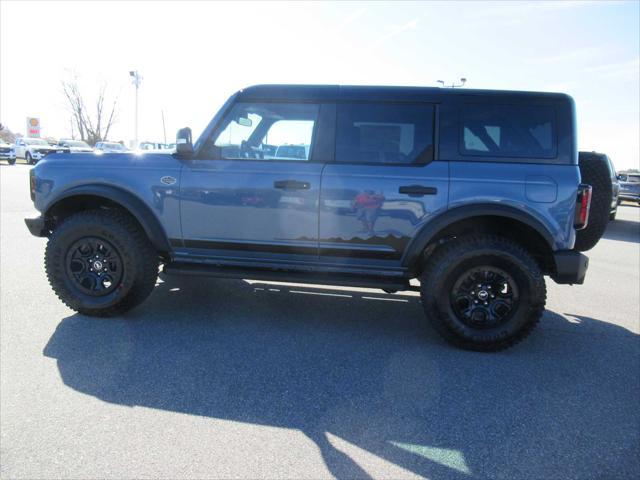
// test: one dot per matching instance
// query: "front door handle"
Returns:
(417, 190)
(291, 185)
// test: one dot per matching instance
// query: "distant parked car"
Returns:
(110, 147)
(75, 146)
(7, 152)
(155, 147)
(629, 187)
(292, 152)
(34, 149)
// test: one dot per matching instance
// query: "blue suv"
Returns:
(477, 194)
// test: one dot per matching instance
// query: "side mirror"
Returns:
(184, 146)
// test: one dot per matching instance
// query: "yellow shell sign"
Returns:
(33, 127)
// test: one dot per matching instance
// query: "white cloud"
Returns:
(410, 25)
(510, 9)
(580, 54)
(627, 69)
(352, 17)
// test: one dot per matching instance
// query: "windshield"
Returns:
(76, 143)
(35, 141)
(113, 146)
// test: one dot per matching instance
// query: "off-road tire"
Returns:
(12, 161)
(28, 158)
(139, 261)
(449, 262)
(594, 171)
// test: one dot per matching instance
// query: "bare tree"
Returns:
(6, 134)
(93, 125)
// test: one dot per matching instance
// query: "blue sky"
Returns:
(194, 55)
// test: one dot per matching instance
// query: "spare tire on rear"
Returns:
(594, 170)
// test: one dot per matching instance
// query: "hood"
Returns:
(95, 159)
(80, 149)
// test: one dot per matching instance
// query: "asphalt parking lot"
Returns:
(241, 379)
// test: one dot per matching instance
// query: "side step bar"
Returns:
(322, 278)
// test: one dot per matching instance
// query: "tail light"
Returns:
(583, 205)
(32, 185)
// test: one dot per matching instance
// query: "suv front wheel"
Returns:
(100, 263)
(483, 292)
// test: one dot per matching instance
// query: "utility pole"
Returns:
(136, 78)
(164, 130)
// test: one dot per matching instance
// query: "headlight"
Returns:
(32, 184)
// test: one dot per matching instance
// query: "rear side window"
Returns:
(384, 133)
(508, 131)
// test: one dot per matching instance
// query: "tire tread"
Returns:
(143, 284)
(447, 253)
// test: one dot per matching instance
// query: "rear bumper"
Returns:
(571, 267)
(37, 226)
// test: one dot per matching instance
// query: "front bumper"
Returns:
(37, 226)
(571, 267)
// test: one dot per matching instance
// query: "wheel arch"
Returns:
(86, 197)
(498, 219)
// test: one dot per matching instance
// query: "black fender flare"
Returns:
(128, 201)
(465, 212)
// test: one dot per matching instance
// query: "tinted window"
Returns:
(508, 131)
(379, 133)
(267, 131)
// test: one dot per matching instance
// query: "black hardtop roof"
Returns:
(378, 93)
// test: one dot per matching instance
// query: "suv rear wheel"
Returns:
(483, 292)
(100, 263)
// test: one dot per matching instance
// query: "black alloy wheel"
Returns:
(484, 297)
(94, 266)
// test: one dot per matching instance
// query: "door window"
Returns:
(266, 131)
(384, 133)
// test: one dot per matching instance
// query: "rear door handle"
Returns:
(417, 190)
(291, 185)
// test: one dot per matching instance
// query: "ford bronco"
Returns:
(477, 194)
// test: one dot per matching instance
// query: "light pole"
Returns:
(136, 78)
(164, 130)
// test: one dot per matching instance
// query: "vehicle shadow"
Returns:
(623, 231)
(339, 363)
